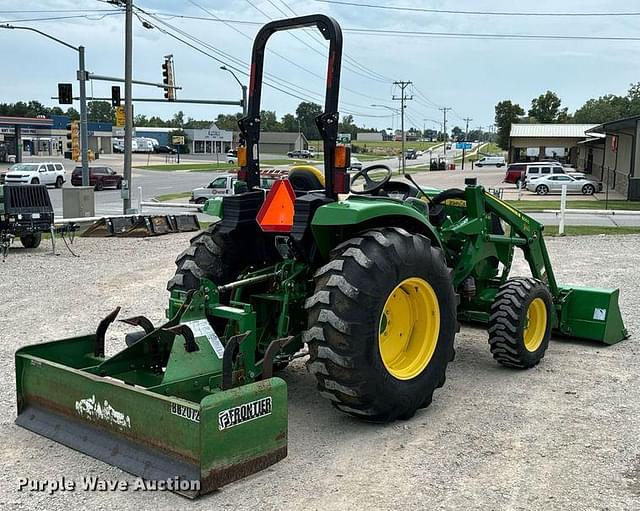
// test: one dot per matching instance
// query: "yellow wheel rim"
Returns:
(535, 325)
(409, 328)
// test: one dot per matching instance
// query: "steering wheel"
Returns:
(371, 186)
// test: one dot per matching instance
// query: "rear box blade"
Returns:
(204, 443)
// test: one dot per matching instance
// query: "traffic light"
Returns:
(73, 141)
(168, 78)
(115, 95)
(65, 94)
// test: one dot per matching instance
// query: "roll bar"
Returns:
(327, 122)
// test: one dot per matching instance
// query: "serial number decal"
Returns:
(244, 413)
(186, 412)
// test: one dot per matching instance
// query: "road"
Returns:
(154, 183)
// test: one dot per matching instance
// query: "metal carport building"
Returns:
(543, 136)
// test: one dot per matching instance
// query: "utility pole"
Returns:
(128, 104)
(466, 137)
(403, 98)
(444, 128)
(84, 125)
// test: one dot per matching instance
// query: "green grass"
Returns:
(492, 148)
(172, 196)
(214, 167)
(590, 230)
(575, 204)
(197, 167)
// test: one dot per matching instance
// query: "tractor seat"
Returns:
(306, 178)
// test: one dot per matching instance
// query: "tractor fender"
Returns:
(336, 222)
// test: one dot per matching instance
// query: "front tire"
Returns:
(59, 182)
(588, 190)
(381, 324)
(520, 323)
(35, 181)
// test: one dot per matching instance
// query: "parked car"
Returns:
(553, 183)
(518, 173)
(225, 185)
(356, 164)
(99, 178)
(47, 173)
(419, 153)
(410, 154)
(494, 161)
(302, 153)
(164, 149)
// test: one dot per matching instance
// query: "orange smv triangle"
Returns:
(276, 214)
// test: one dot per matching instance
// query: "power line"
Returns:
(477, 13)
(54, 18)
(472, 35)
(282, 87)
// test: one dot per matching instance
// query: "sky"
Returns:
(468, 75)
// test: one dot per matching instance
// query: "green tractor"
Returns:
(372, 278)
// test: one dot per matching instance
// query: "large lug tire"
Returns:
(520, 323)
(354, 306)
(218, 257)
(31, 240)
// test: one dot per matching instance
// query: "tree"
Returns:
(228, 121)
(507, 113)
(72, 114)
(269, 121)
(457, 133)
(178, 120)
(100, 111)
(289, 123)
(546, 108)
(306, 114)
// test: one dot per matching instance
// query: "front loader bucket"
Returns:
(182, 433)
(591, 313)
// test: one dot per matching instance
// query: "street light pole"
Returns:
(82, 78)
(244, 90)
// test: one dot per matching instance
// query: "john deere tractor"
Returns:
(369, 275)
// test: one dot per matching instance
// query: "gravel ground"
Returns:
(563, 435)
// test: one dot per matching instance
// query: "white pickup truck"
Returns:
(224, 185)
(47, 173)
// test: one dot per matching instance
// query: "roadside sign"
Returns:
(120, 117)
(344, 138)
(464, 145)
(177, 140)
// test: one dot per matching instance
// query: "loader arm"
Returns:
(587, 313)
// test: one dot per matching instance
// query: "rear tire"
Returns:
(218, 257)
(35, 181)
(98, 186)
(31, 240)
(520, 323)
(59, 182)
(351, 310)
(542, 189)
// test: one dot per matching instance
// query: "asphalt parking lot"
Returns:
(563, 435)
